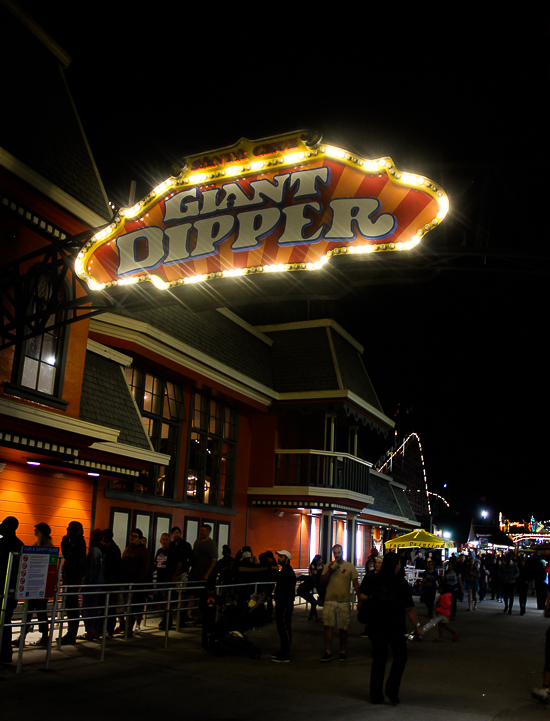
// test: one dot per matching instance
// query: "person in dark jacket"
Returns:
(9, 543)
(285, 591)
(112, 560)
(73, 548)
(134, 568)
(94, 578)
(509, 573)
(388, 598)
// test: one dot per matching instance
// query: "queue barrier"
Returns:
(178, 599)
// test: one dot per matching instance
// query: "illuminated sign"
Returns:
(283, 203)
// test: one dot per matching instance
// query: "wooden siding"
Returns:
(35, 495)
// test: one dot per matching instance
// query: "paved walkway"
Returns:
(488, 674)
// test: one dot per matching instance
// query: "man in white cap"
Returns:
(285, 592)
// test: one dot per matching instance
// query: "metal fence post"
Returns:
(53, 617)
(168, 618)
(127, 617)
(106, 613)
(6, 593)
(22, 638)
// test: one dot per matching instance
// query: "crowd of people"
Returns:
(472, 578)
(192, 585)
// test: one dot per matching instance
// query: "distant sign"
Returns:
(37, 572)
(284, 203)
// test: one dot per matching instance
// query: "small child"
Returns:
(443, 611)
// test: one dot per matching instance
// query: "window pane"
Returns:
(46, 378)
(200, 417)
(154, 428)
(156, 406)
(166, 410)
(173, 402)
(30, 373)
(135, 379)
(230, 425)
(215, 418)
(148, 393)
(212, 461)
(33, 347)
(49, 348)
(212, 471)
(195, 476)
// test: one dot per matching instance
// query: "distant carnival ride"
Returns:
(404, 462)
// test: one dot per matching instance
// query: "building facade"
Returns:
(148, 414)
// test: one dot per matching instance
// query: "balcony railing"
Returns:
(323, 469)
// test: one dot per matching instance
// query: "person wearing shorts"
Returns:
(338, 577)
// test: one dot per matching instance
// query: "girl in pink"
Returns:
(443, 611)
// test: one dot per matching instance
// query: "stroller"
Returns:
(226, 633)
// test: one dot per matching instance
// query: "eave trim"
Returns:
(23, 412)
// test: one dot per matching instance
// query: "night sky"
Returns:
(462, 100)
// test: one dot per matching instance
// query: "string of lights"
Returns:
(401, 450)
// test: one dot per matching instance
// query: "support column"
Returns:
(326, 535)
(352, 529)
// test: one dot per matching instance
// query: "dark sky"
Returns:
(462, 100)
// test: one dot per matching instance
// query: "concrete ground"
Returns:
(488, 674)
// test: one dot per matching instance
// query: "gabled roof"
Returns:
(320, 357)
(389, 498)
(352, 370)
(310, 361)
(106, 401)
(41, 138)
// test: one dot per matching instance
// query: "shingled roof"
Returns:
(211, 333)
(106, 401)
(306, 357)
(302, 360)
(389, 498)
(38, 123)
(318, 356)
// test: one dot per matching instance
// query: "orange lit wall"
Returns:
(35, 495)
(269, 531)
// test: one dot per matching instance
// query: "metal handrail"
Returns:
(56, 617)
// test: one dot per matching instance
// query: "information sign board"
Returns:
(37, 572)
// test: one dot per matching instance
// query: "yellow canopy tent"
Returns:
(419, 539)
